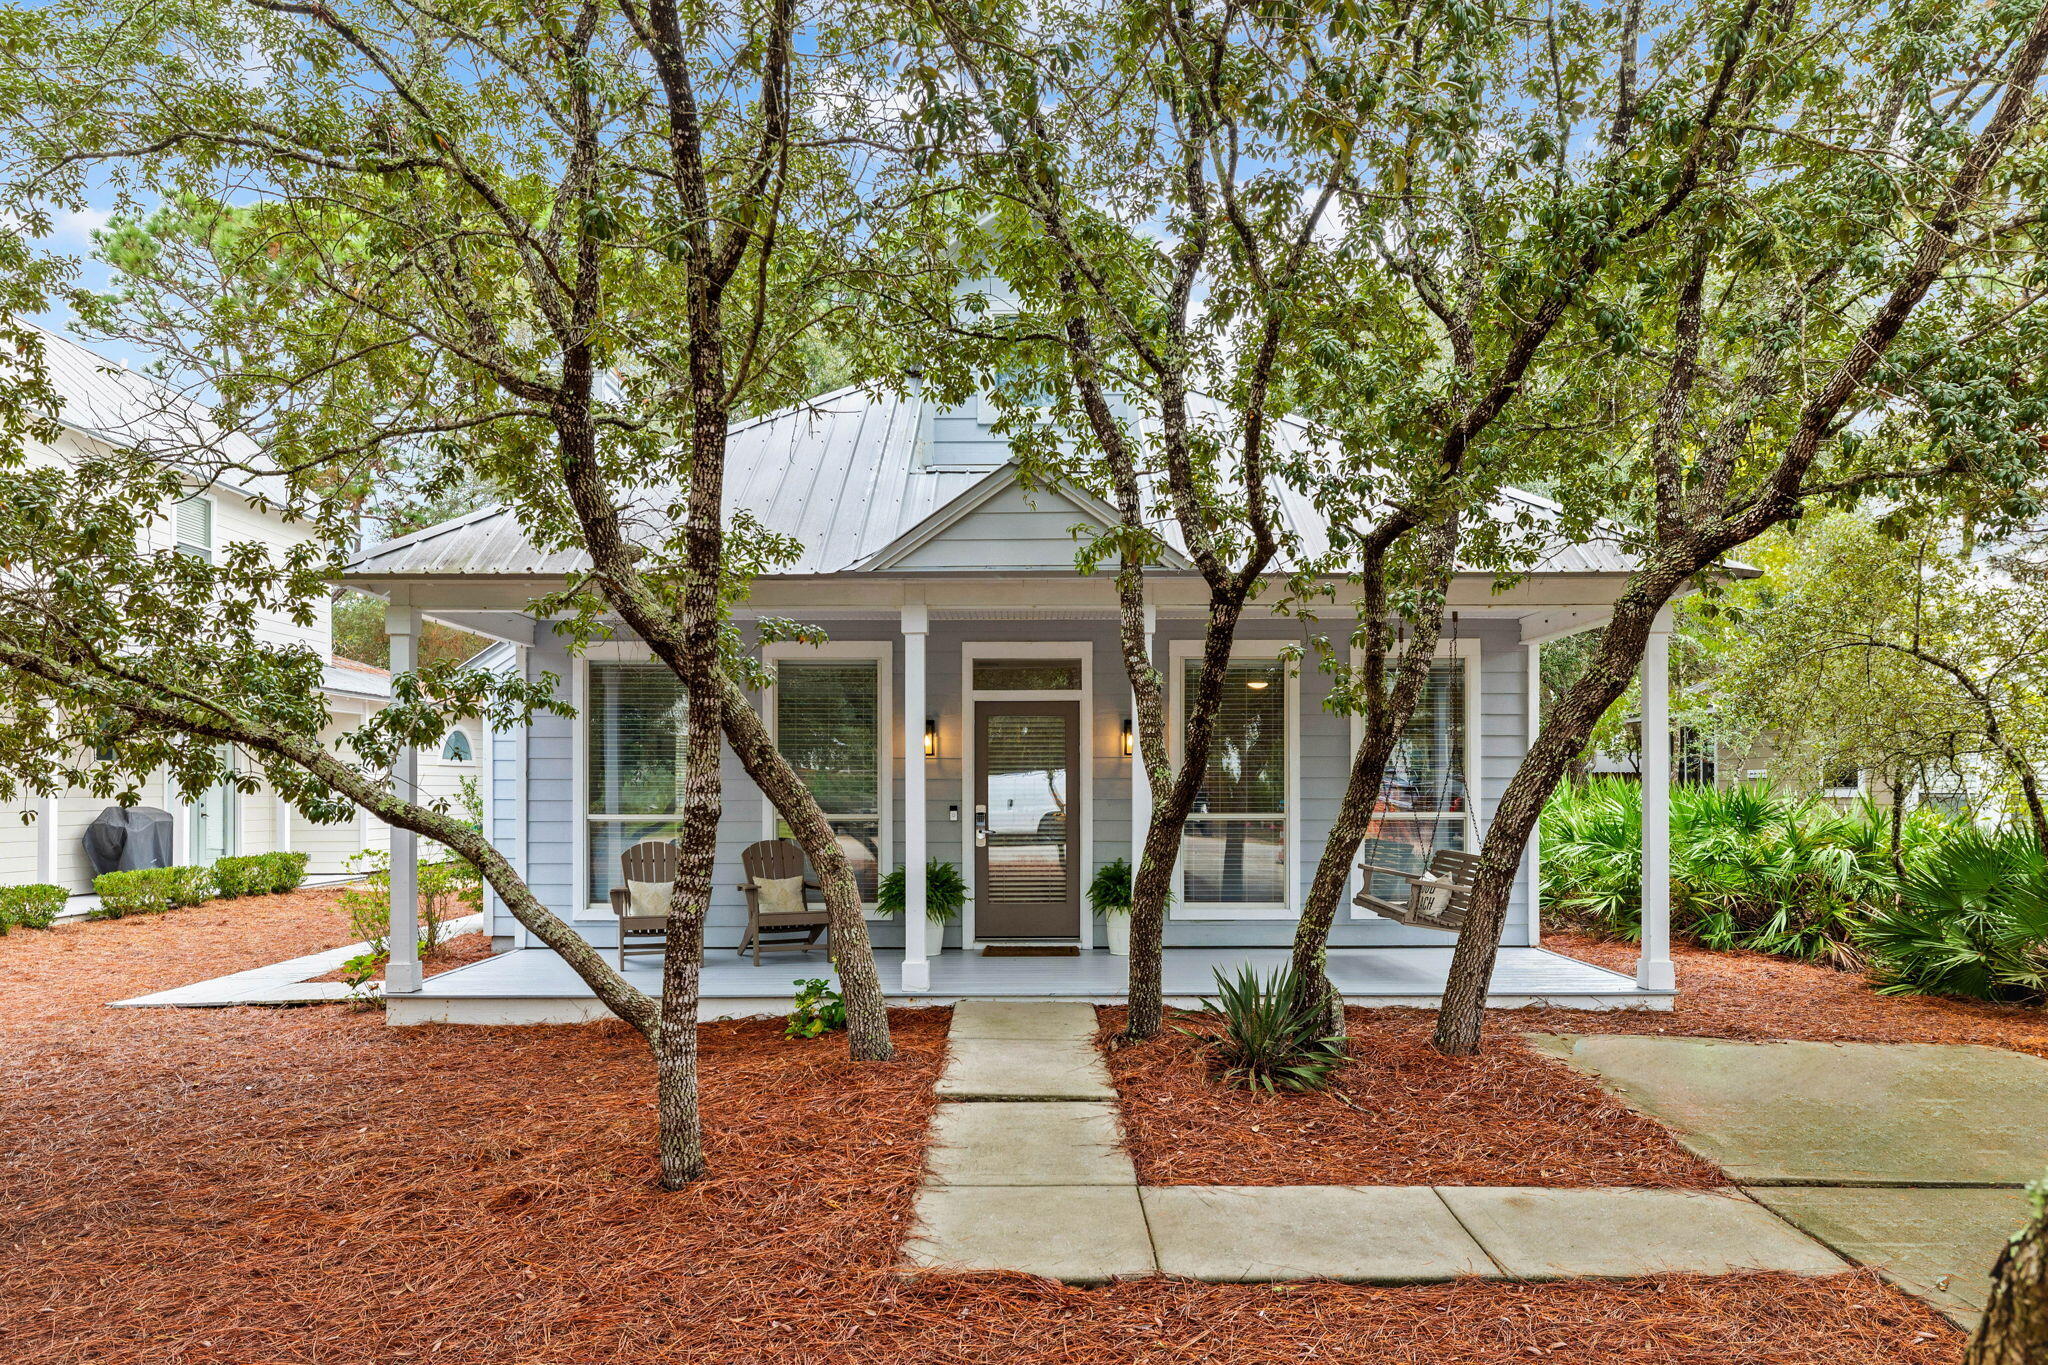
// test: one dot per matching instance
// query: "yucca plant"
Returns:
(1267, 1042)
(1971, 920)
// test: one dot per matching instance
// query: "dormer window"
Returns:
(192, 527)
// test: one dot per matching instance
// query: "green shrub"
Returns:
(283, 872)
(240, 876)
(1267, 1042)
(144, 891)
(1971, 920)
(945, 891)
(188, 885)
(35, 906)
(1750, 867)
(817, 1010)
(1109, 892)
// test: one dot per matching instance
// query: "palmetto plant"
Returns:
(1750, 867)
(1268, 1042)
(1971, 920)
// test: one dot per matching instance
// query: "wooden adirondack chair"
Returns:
(653, 860)
(779, 932)
(1459, 869)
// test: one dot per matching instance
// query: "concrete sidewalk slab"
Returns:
(1029, 1142)
(1835, 1113)
(1938, 1244)
(1245, 1233)
(1552, 1234)
(1080, 1234)
(1007, 1020)
(279, 983)
(1024, 1069)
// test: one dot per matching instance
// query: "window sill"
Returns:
(1228, 912)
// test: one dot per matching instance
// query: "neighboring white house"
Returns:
(106, 405)
(972, 705)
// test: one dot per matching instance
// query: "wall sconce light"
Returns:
(931, 737)
(1130, 743)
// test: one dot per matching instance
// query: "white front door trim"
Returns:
(1082, 651)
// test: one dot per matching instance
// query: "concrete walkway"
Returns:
(1907, 1157)
(1027, 1172)
(280, 983)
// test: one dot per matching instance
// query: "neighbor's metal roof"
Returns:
(109, 402)
(840, 476)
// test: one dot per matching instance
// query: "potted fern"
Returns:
(1109, 896)
(945, 891)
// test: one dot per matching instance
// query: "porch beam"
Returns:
(917, 970)
(1653, 966)
(402, 974)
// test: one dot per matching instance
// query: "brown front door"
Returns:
(1027, 876)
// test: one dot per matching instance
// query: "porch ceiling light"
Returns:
(931, 737)
(1257, 684)
(1130, 745)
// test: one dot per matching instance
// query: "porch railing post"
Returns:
(917, 970)
(1653, 966)
(402, 973)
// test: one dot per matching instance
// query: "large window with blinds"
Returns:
(1423, 803)
(1234, 849)
(828, 723)
(636, 720)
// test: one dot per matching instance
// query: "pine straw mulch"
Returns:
(1754, 996)
(182, 1187)
(1400, 1113)
(458, 950)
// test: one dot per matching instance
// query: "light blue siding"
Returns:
(538, 817)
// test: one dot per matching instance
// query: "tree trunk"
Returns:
(1170, 809)
(1387, 715)
(1565, 731)
(860, 984)
(680, 1133)
(2015, 1326)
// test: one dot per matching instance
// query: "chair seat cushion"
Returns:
(781, 895)
(649, 900)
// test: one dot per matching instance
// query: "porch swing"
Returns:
(1440, 896)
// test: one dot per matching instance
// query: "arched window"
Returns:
(455, 748)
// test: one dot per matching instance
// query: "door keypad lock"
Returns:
(981, 826)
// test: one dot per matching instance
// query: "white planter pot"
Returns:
(1119, 927)
(934, 938)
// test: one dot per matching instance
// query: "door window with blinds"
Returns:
(1234, 847)
(637, 719)
(828, 724)
(1423, 803)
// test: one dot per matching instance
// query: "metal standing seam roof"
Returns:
(110, 403)
(839, 474)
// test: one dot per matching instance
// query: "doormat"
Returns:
(1031, 950)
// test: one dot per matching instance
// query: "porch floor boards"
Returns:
(534, 985)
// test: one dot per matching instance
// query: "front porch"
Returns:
(534, 986)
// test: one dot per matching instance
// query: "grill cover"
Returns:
(123, 838)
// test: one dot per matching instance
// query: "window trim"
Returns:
(1178, 652)
(1084, 784)
(1470, 652)
(618, 652)
(883, 654)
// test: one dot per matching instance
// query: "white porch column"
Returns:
(917, 968)
(281, 819)
(402, 974)
(181, 822)
(46, 839)
(1653, 966)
